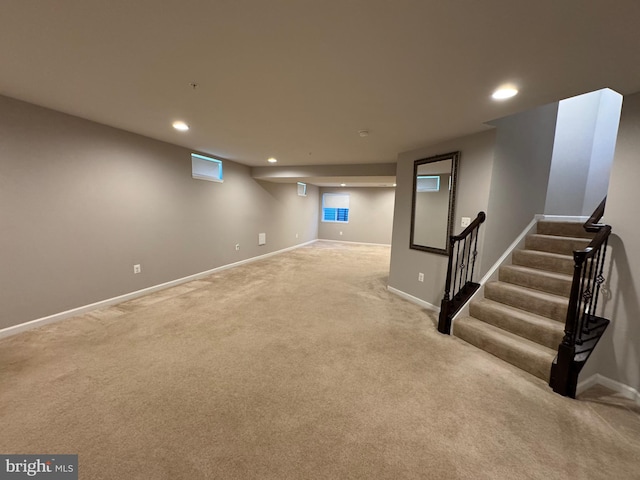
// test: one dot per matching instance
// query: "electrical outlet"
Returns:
(296, 235)
(237, 247)
(341, 233)
(137, 268)
(466, 221)
(421, 277)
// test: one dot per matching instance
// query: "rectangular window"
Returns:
(205, 168)
(302, 189)
(428, 183)
(335, 207)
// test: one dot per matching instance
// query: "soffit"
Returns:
(297, 80)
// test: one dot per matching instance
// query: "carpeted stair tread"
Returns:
(534, 327)
(552, 262)
(534, 301)
(563, 229)
(525, 354)
(521, 317)
(555, 244)
(551, 282)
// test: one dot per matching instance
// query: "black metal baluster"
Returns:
(475, 253)
(584, 290)
(595, 262)
(577, 314)
(466, 276)
(458, 291)
(600, 278)
(455, 271)
(587, 310)
(582, 326)
(462, 266)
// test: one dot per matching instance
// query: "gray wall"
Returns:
(585, 139)
(604, 146)
(370, 216)
(618, 353)
(575, 127)
(81, 203)
(523, 148)
(474, 177)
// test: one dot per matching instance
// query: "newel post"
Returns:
(444, 320)
(565, 374)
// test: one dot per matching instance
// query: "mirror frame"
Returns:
(455, 158)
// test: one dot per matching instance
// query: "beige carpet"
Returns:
(300, 366)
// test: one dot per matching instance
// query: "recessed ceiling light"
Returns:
(180, 125)
(363, 133)
(272, 160)
(343, 184)
(504, 92)
(394, 185)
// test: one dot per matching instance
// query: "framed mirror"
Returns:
(433, 204)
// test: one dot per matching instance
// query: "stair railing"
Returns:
(583, 328)
(463, 250)
(593, 225)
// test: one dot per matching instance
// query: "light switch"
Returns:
(466, 221)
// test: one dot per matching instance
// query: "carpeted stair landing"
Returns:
(521, 317)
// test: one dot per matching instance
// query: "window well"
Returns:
(205, 168)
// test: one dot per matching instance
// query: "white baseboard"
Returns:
(22, 327)
(507, 253)
(624, 390)
(357, 243)
(562, 218)
(527, 230)
(413, 299)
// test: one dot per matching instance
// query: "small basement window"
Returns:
(302, 189)
(335, 207)
(205, 168)
(428, 183)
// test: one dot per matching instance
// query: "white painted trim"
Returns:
(22, 327)
(587, 384)
(412, 299)
(527, 230)
(509, 250)
(357, 243)
(562, 218)
(506, 257)
(624, 390)
(492, 273)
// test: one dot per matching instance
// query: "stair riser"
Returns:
(563, 229)
(559, 245)
(500, 324)
(540, 367)
(533, 260)
(556, 310)
(544, 336)
(536, 281)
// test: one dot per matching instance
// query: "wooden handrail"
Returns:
(458, 290)
(472, 226)
(600, 238)
(583, 328)
(592, 224)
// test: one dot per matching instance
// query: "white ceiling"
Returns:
(298, 79)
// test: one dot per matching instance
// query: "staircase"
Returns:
(521, 318)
